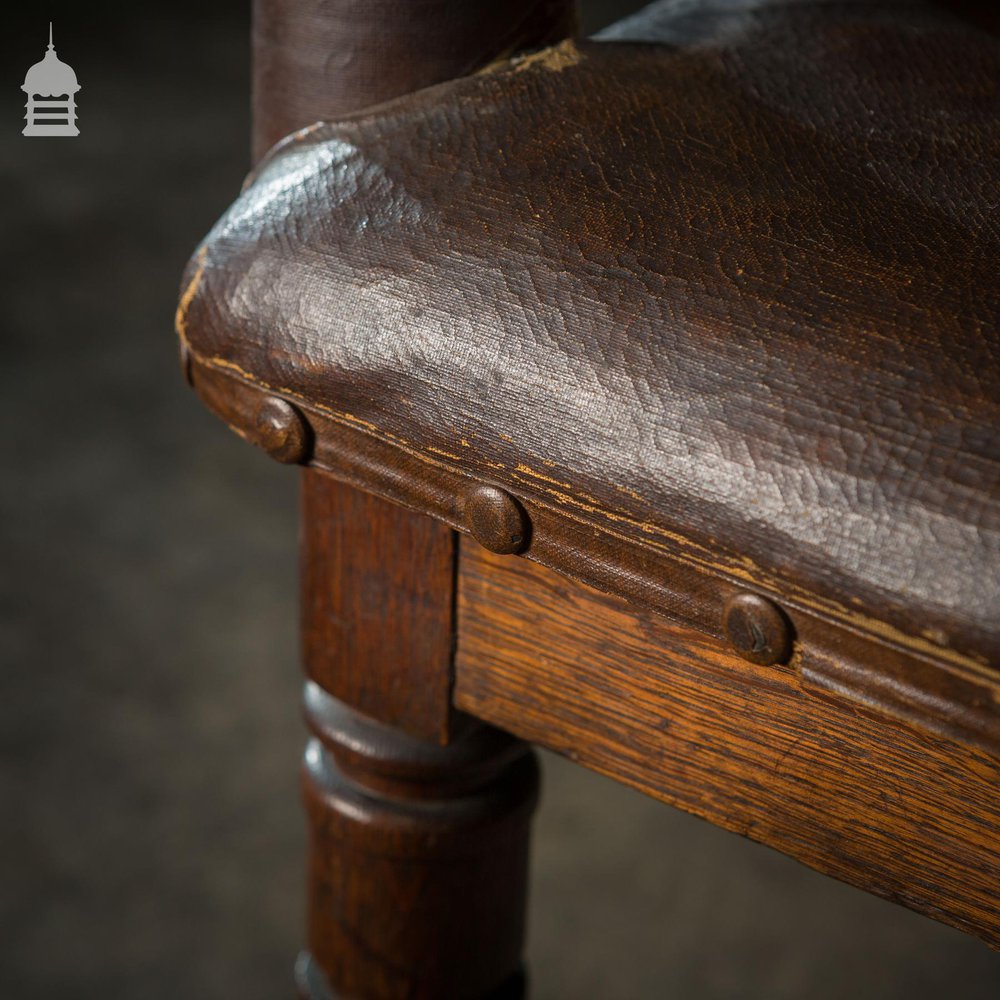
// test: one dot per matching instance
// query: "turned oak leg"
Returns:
(418, 859)
(418, 816)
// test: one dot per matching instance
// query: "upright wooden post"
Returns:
(418, 818)
(320, 61)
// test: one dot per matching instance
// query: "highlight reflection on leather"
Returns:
(736, 294)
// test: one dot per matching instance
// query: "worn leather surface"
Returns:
(734, 292)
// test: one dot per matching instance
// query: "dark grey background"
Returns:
(152, 845)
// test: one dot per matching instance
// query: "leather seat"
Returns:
(708, 318)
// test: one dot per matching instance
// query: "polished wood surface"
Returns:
(895, 811)
(418, 850)
(418, 860)
(321, 61)
(377, 606)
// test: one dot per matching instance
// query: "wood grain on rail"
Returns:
(903, 814)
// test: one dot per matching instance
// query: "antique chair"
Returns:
(646, 390)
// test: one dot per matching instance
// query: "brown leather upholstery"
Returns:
(723, 305)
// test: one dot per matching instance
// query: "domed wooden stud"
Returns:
(497, 521)
(757, 628)
(281, 430)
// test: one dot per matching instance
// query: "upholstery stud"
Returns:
(496, 520)
(281, 430)
(757, 629)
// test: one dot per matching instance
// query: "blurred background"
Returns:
(149, 708)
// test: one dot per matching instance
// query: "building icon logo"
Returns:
(51, 88)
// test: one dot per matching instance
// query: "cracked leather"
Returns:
(724, 280)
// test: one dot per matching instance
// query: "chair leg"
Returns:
(418, 856)
(418, 859)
